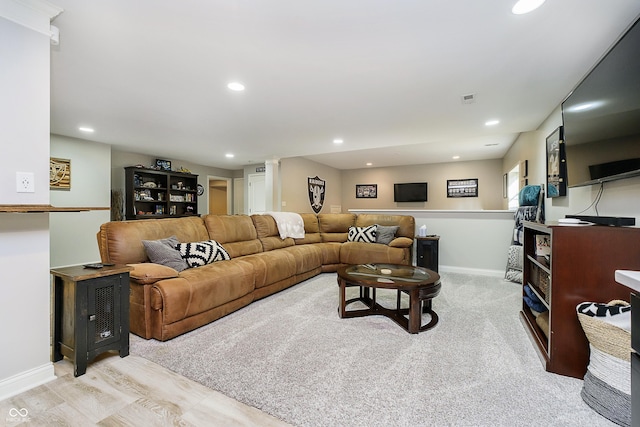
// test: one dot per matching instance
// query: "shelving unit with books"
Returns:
(580, 267)
(153, 193)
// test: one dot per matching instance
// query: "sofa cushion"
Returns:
(197, 254)
(311, 230)
(120, 242)
(385, 233)
(362, 234)
(366, 253)
(148, 272)
(164, 252)
(335, 227)
(235, 232)
(406, 223)
(268, 233)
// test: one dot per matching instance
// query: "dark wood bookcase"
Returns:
(581, 267)
(151, 193)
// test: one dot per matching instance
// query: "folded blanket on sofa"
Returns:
(290, 224)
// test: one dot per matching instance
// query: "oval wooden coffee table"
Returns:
(421, 284)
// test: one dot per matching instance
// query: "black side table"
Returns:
(427, 252)
(90, 313)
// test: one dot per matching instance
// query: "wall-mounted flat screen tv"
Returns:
(601, 117)
(410, 192)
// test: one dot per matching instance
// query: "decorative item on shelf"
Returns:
(176, 198)
(164, 165)
(183, 170)
(59, 174)
(367, 191)
(543, 245)
(190, 209)
(149, 184)
(173, 210)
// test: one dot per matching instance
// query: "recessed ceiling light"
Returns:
(526, 6)
(369, 164)
(455, 157)
(338, 141)
(236, 86)
(229, 156)
(86, 129)
(491, 122)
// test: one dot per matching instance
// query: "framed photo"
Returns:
(164, 165)
(556, 164)
(367, 191)
(59, 174)
(462, 187)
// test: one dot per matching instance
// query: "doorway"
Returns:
(219, 195)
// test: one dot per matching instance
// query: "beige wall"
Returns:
(488, 173)
(295, 192)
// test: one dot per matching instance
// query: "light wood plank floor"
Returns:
(129, 391)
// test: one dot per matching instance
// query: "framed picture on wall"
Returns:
(366, 191)
(462, 187)
(556, 164)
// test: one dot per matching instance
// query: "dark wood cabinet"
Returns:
(151, 193)
(91, 313)
(580, 268)
(427, 252)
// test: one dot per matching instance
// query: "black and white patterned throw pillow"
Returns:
(197, 254)
(363, 234)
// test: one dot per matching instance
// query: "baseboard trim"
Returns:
(464, 270)
(26, 380)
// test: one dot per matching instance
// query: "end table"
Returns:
(427, 252)
(90, 313)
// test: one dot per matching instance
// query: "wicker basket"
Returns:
(607, 337)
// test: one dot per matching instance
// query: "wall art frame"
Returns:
(59, 174)
(164, 165)
(462, 187)
(366, 191)
(556, 164)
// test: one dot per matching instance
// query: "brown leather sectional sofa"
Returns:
(166, 303)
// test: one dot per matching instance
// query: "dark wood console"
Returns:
(580, 268)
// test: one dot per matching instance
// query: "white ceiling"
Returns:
(387, 76)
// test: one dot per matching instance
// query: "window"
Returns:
(513, 187)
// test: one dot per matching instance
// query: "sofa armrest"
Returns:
(147, 272)
(401, 242)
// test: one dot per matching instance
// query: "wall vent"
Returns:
(469, 98)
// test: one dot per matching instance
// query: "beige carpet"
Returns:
(293, 357)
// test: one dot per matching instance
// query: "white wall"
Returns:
(25, 293)
(73, 234)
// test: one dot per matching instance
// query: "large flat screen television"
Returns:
(410, 192)
(601, 117)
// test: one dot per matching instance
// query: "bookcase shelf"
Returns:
(153, 193)
(581, 268)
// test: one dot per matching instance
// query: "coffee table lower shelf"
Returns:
(419, 302)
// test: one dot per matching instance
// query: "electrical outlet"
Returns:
(25, 182)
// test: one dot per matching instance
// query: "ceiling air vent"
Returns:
(468, 99)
